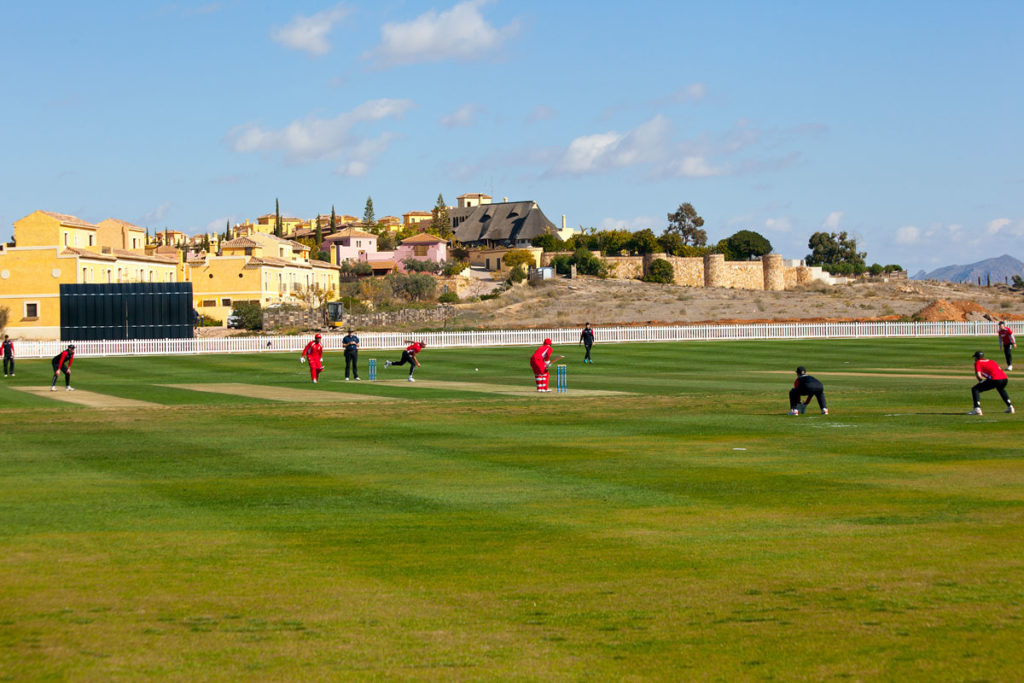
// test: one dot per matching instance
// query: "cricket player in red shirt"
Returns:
(314, 353)
(540, 361)
(1008, 342)
(62, 363)
(409, 356)
(990, 376)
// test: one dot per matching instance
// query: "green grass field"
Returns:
(684, 529)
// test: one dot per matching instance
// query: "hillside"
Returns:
(610, 302)
(1000, 269)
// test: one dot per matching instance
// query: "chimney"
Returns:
(505, 199)
(563, 221)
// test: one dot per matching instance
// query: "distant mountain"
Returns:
(1001, 269)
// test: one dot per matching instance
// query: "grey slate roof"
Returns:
(502, 222)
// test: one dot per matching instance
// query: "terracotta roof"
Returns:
(68, 219)
(240, 242)
(133, 256)
(348, 232)
(120, 222)
(423, 238)
(382, 265)
(323, 264)
(418, 213)
(75, 251)
(274, 261)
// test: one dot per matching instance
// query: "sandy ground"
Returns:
(610, 302)
(88, 399)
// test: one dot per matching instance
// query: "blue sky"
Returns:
(899, 122)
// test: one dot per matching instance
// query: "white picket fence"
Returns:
(605, 335)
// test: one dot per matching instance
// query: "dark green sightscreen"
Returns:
(141, 310)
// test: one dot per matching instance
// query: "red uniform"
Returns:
(1006, 337)
(314, 354)
(539, 361)
(989, 369)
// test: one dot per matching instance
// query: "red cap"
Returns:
(316, 336)
(547, 342)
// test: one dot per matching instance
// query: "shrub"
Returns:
(249, 315)
(517, 257)
(661, 271)
(517, 274)
(415, 266)
(453, 267)
(4, 315)
(448, 298)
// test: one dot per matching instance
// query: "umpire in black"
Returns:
(805, 385)
(351, 343)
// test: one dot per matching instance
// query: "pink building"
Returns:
(422, 247)
(351, 244)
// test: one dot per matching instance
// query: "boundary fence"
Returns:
(480, 338)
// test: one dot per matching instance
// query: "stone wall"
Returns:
(303, 319)
(364, 321)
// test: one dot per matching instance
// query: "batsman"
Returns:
(540, 361)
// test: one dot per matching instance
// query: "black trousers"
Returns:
(8, 365)
(997, 384)
(1008, 353)
(407, 358)
(817, 392)
(351, 357)
(67, 375)
(587, 347)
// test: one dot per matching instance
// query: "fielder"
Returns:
(990, 376)
(7, 351)
(1008, 343)
(587, 339)
(805, 385)
(314, 353)
(62, 363)
(540, 361)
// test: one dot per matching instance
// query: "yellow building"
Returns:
(51, 249)
(118, 234)
(261, 268)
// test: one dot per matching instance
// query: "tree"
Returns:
(746, 244)
(386, 241)
(686, 223)
(660, 271)
(318, 233)
(5, 314)
(549, 242)
(369, 220)
(206, 243)
(278, 230)
(249, 315)
(829, 250)
(441, 221)
(334, 220)
(671, 243)
(1018, 282)
(644, 242)
(227, 231)
(518, 257)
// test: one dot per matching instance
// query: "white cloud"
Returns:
(218, 225)
(994, 226)
(541, 113)
(778, 224)
(312, 138)
(458, 33)
(635, 223)
(461, 117)
(310, 33)
(156, 215)
(361, 155)
(908, 234)
(593, 153)
(695, 167)
(831, 222)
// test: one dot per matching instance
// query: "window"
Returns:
(65, 239)
(85, 274)
(420, 250)
(31, 310)
(135, 243)
(90, 240)
(207, 303)
(225, 302)
(110, 276)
